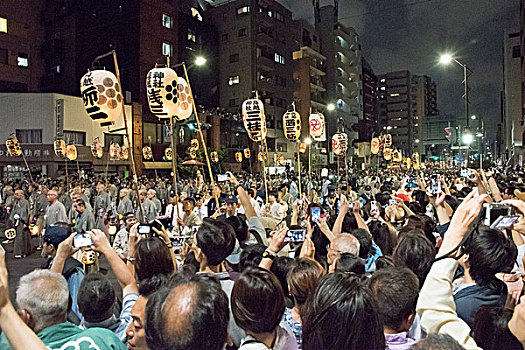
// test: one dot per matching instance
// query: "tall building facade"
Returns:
(513, 122)
(368, 126)
(340, 45)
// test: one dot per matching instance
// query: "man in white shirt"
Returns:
(201, 209)
(274, 209)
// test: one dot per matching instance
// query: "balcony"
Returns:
(266, 62)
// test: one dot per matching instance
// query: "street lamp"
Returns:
(446, 59)
(200, 61)
(330, 107)
(467, 138)
(473, 117)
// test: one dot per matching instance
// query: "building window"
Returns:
(116, 138)
(23, 60)
(224, 37)
(3, 25)
(233, 80)
(166, 49)
(278, 58)
(234, 102)
(278, 16)
(75, 137)
(29, 135)
(3, 56)
(516, 51)
(234, 58)
(192, 36)
(242, 32)
(196, 14)
(167, 21)
(282, 147)
(242, 10)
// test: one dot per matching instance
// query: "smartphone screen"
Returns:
(435, 187)
(504, 222)
(373, 207)
(82, 240)
(494, 211)
(222, 178)
(316, 214)
(144, 229)
(294, 236)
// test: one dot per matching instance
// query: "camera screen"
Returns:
(82, 240)
(294, 236)
(316, 214)
(144, 229)
(496, 212)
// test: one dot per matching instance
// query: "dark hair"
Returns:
(425, 224)
(302, 279)
(365, 242)
(216, 239)
(250, 192)
(257, 301)
(251, 256)
(395, 291)
(340, 296)
(190, 199)
(80, 202)
(416, 252)
(198, 322)
(96, 297)
(149, 286)
(280, 267)
(491, 330)
(382, 236)
(348, 262)
(152, 257)
(240, 227)
(384, 262)
(489, 252)
(437, 342)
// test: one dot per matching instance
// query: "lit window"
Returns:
(23, 60)
(195, 14)
(166, 49)
(167, 21)
(383, 88)
(279, 16)
(278, 58)
(394, 95)
(244, 9)
(383, 80)
(3, 25)
(233, 80)
(192, 36)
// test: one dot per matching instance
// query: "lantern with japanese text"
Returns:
(281, 160)
(13, 147)
(397, 156)
(375, 145)
(71, 152)
(114, 151)
(60, 148)
(185, 101)
(124, 153)
(387, 153)
(388, 140)
(96, 149)
(317, 126)
(415, 160)
(302, 147)
(101, 96)
(168, 153)
(193, 152)
(214, 157)
(247, 153)
(161, 90)
(276, 158)
(238, 157)
(147, 153)
(407, 163)
(339, 143)
(292, 125)
(254, 119)
(195, 144)
(261, 156)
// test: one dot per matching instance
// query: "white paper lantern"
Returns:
(124, 153)
(60, 148)
(254, 119)
(185, 102)
(13, 147)
(96, 150)
(102, 96)
(317, 126)
(339, 143)
(161, 90)
(147, 153)
(292, 125)
(168, 153)
(71, 152)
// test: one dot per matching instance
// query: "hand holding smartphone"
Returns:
(82, 240)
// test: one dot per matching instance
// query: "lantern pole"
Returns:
(346, 170)
(174, 168)
(200, 131)
(67, 175)
(299, 167)
(130, 146)
(27, 166)
(153, 158)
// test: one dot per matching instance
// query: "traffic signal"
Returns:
(451, 134)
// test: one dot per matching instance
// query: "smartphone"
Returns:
(222, 178)
(494, 211)
(294, 235)
(465, 172)
(504, 222)
(325, 216)
(82, 240)
(177, 242)
(392, 202)
(373, 208)
(144, 229)
(435, 187)
(316, 214)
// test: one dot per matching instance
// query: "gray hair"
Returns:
(44, 294)
(152, 191)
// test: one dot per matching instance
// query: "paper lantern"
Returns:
(124, 153)
(193, 152)
(407, 163)
(261, 156)
(382, 139)
(247, 153)
(185, 102)
(71, 152)
(388, 140)
(102, 96)
(114, 151)
(415, 160)
(339, 143)
(147, 153)
(96, 150)
(276, 158)
(60, 148)
(302, 147)
(214, 157)
(397, 156)
(88, 257)
(195, 144)
(317, 126)
(254, 119)
(168, 153)
(10, 233)
(161, 90)
(281, 160)
(112, 230)
(238, 157)
(292, 125)
(33, 229)
(13, 147)
(387, 153)
(375, 145)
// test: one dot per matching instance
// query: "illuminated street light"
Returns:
(308, 141)
(445, 59)
(330, 107)
(479, 134)
(467, 139)
(473, 117)
(200, 61)
(389, 127)
(416, 141)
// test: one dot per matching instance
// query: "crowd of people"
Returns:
(377, 259)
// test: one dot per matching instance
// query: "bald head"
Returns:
(343, 243)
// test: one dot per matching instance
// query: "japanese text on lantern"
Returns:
(154, 84)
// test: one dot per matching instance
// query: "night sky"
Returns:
(411, 34)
